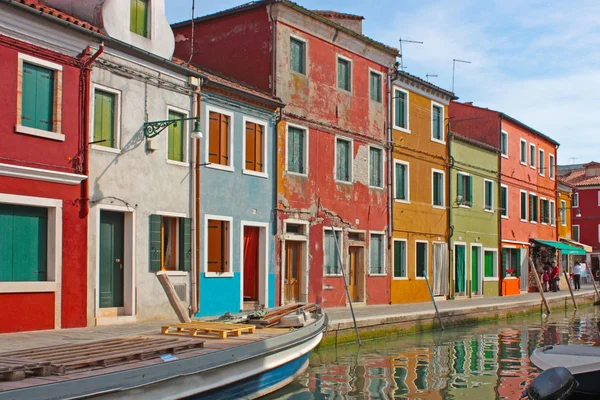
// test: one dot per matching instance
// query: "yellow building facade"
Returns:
(563, 202)
(420, 169)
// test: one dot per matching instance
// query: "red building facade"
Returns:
(43, 227)
(331, 145)
(527, 195)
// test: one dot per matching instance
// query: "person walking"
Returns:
(577, 276)
(545, 279)
(554, 277)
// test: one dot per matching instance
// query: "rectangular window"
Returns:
(542, 162)
(523, 206)
(104, 118)
(170, 243)
(296, 150)
(375, 167)
(504, 201)
(563, 213)
(511, 259)
(437, 122)
(377, 267)
(400, 259)
(176, 137)
(37, 106)
(533, 208)
(545, 211)
(400, 109)
(598, 198)
(332, 264)
(464, 190)
(343, 160)
(532, 156)
(523, 152)
(552, 213)
(576, 233)
(138, 19)
(375, 86)
(402, 182)
(422, 259)
(438, 188)
(488, 195)
(490, 261)
(218, 139)
(598, 232)
(254, 152)
(298, 56)
(218, 246)
(504, 143)
(23, 243)
(575, 200)
(344, 73)
(551, 166)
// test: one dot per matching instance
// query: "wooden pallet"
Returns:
(15, 369)
(274, 317)
(207, 329)
(104, 353)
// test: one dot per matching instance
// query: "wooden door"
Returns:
(293, 257)
(353, 262)
(111, 259)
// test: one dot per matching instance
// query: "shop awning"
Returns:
(588, 249)
(563, 247)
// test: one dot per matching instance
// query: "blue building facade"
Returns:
(238, 194)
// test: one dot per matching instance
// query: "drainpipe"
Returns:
(274, 51)
(390, 160)
(500, 252)
(449, 217)
(86, 76)
(196, 206)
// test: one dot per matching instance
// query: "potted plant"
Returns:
(511, 272)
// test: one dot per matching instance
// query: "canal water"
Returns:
(485, 361)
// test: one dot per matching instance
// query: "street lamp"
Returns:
(152, 129)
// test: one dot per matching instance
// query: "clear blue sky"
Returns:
(536, 60)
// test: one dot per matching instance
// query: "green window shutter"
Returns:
(438, 189)
(504, 200)
(138, 19)
(297, 55)
(515, 260)
(437, 116)
(421, 259)
(344, 74)
(489, 264)
(399, 257)
(375, 167)
(296, 150)
(176, 137)
(104, 118)
(38, 97)
(400, 109)
(343, 163)
(185, 244)
(155, 242)
(29, 84)
(470, 190)
(375, 86)
(401, 182)
(376, 254)
(523, 206)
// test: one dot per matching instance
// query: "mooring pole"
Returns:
(539, 284)
(434, 303)
(593, 279)
(570, 289)
(339, 253)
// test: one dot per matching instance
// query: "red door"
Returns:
(251, 240)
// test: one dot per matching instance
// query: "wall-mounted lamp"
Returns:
(152, 129)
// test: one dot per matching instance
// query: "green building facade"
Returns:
(475, 213)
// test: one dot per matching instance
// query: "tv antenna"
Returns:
(430, 76)
(573, 160)
(402, 58)
(454, 61)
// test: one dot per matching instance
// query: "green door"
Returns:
(475, 270)
(460, 269)
(111, 259)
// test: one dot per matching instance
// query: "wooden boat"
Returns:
(582, 361)
(196, 363)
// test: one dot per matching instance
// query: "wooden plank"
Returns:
(65, 348)
(177, 305)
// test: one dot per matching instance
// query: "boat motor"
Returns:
(553, 384)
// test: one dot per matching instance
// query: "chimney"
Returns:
(349, 21)
(468, 103)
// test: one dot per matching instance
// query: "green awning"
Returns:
(563, 247)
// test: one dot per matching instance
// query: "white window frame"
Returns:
(372, 71)
(56, 133)
(340, 243)
(532, 161)
(541, 162)
(400, 278)
(492, 196)
(578, 238)
(351, 161)
(504, 133)
(563, 214)
(406, 109)
(507, 200)
(407, 181)
(443, 140)
(229, 272)
(337, 83)
(117, 127)
(264, 124)
(552, 213)
(541, 201)
(526, 206)
(426, 259)
(231, 166)
(575, 200)
(433, 172)
(186, 138)
(551, 166)
(523, 142)
(465, 204)
(295, 236)
(495, 277)
(306, 149)
(383, 251)
(383, 160)
(537, 199)
(306, 63)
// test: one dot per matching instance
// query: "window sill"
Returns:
(376, 187)
(300, 74)
(486, 279)
(504, 216)
(438, 207)
(420, 278)
(462, 206)
(377, 275)
(178, 163)
(176, 273)
(220, 167)
(105, 149)
(524, 163)
(440, 141)
(28, 287)
(342, 182)
(254, 173)
(332, 275)
(378, 103)
(504, 155)
(532, 166)
(39, 133)
(489, 211)
(298, 174)
(533, 222)
(400, 279)
(405, 130)
(218, 274)
(402, 201)
(524, 220)
(342, 90)
(509, 278)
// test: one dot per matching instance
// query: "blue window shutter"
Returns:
(44, 99)
(28, 102)
(185, 244)
(155, 242)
